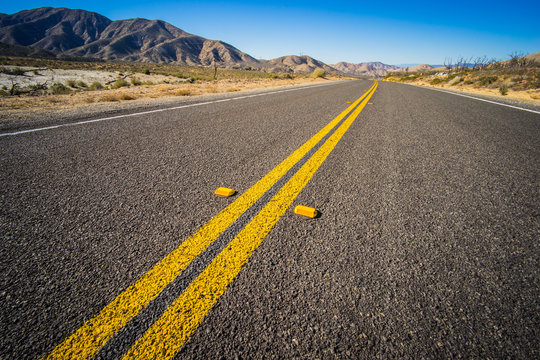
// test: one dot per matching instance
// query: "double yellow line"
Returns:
(165, 337)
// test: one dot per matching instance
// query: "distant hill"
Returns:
(300, 64)
(534, 57)
(372, 69)
(422, 67)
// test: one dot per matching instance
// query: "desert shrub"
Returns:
(109, 97)
(436, 81)
(201, 78)
(288, 76)
(503, 90)
(146, 71)
(410, 77)
(59, 88)
(136, 82)
(82, 84)
(71, 83)
(119, 83)
(14, 71)
(17, 71)
(182, 92)
(96, 85)
(318, 73)
(468, 82)
(37, 88)
(148, 82)
(487, 80)
(126, 97)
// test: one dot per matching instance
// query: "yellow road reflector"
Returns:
(306, 211)
(348, 102)
(370, 103)
(221, 191)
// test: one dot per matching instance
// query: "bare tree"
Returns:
(448, 63)
(515, 61)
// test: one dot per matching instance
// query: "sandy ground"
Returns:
(35, 76)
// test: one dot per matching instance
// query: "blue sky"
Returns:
(394, 32)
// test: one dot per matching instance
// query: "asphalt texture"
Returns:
(426, 245)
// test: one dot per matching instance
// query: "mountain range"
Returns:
(377, 69)
(73, 33)
(88, 34)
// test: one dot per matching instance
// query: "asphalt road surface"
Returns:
(426, 245)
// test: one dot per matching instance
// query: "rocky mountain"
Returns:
(25, 51)
(297, 64)
(56, 30)
(83, 33)
(372, 69)
(78, 33)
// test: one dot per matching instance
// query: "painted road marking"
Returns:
(156, 111)
(167, 335)
(120, 343)
(92, 335)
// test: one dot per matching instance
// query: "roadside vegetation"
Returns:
(135, 79)
(318, 73)
(518, 76)
(34, 85)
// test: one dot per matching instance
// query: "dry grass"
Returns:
(17, 105)
(183, 92)
(526, 95)
(522, 84)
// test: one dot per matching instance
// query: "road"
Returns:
(426, 246)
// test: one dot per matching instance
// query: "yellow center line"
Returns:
(93, 334)
(167, 335)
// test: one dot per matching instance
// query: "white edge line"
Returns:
(475, 98)
(157, 110)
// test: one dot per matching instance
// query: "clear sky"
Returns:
(394, 32)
